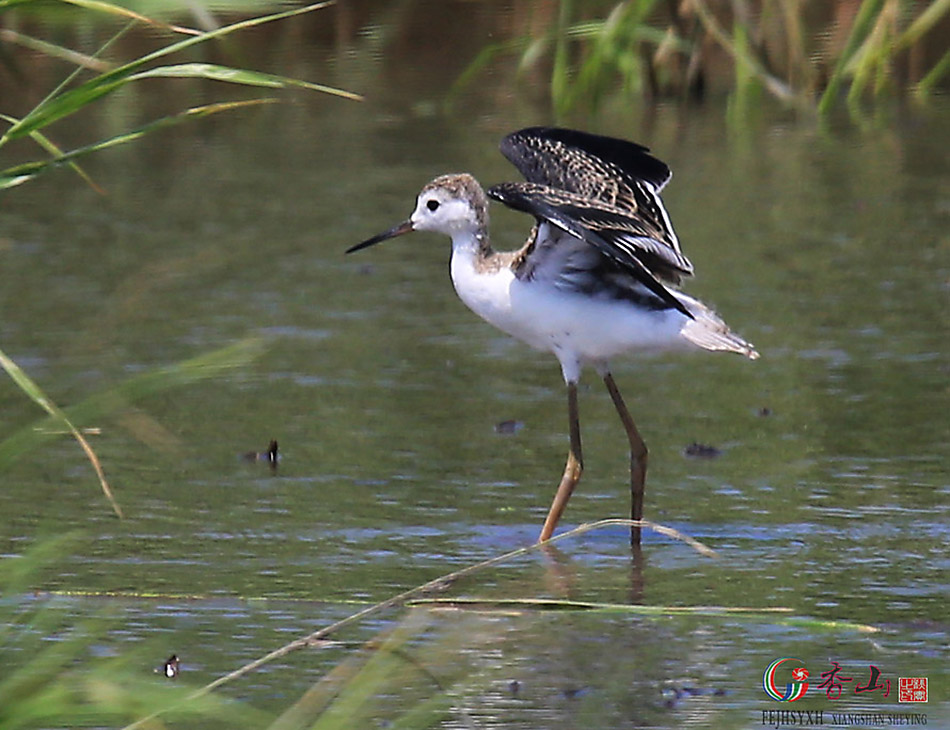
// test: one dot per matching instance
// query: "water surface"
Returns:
(828, 250)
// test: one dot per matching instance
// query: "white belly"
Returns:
(577, 328)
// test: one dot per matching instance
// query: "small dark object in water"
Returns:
(271, 456)
(440, 585)
(572, 692)
(764, 412)
(509, 427)
(514, 686)
(675, 693)
(171, 667)
(697, 450)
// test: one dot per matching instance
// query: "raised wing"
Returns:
(618, 237)
(619, 175)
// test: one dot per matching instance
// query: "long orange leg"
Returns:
(638, 457)
(572, 470)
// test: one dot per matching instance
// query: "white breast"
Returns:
(578, 329)
(488, 294)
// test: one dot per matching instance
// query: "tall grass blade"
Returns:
(933, 77)
(557, 604)
(51, 49)
(923, 23)
(741, 98)
(426, 714)
(612, 50)
(53, 672)
(863, 22)
(207, 365)
(384, 669)
(560, 75)
(533, 53)
(44, 142)
(19, 174)
(78, 70)
(28, 386)
(741, 53)
(15, 575)
(870, 61)
(800, 71)
(47, 144)
(69, 102)
(318, 697)
(477, 65)
(118, 10)
(445, 580)
(405, 663)
(231, 75)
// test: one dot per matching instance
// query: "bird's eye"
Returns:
(433, 205)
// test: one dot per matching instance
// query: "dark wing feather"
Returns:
(635, 237)
(611, 232)
(539, 154)
(617, 173)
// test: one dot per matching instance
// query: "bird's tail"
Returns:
(707, 330)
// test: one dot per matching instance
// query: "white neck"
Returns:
(470, 242)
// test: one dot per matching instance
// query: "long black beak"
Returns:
(405, 227)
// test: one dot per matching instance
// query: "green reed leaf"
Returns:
(231, 75)
(28, 386)
(19, 174)
(69, 102)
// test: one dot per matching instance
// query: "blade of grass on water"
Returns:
(28, 386)
(208, 365)
(384, 670)
(772, 614)
(401, 599)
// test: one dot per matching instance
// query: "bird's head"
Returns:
(451, 204)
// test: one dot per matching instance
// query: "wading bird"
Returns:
(595, 278)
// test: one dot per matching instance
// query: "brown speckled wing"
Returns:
(621, 176)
